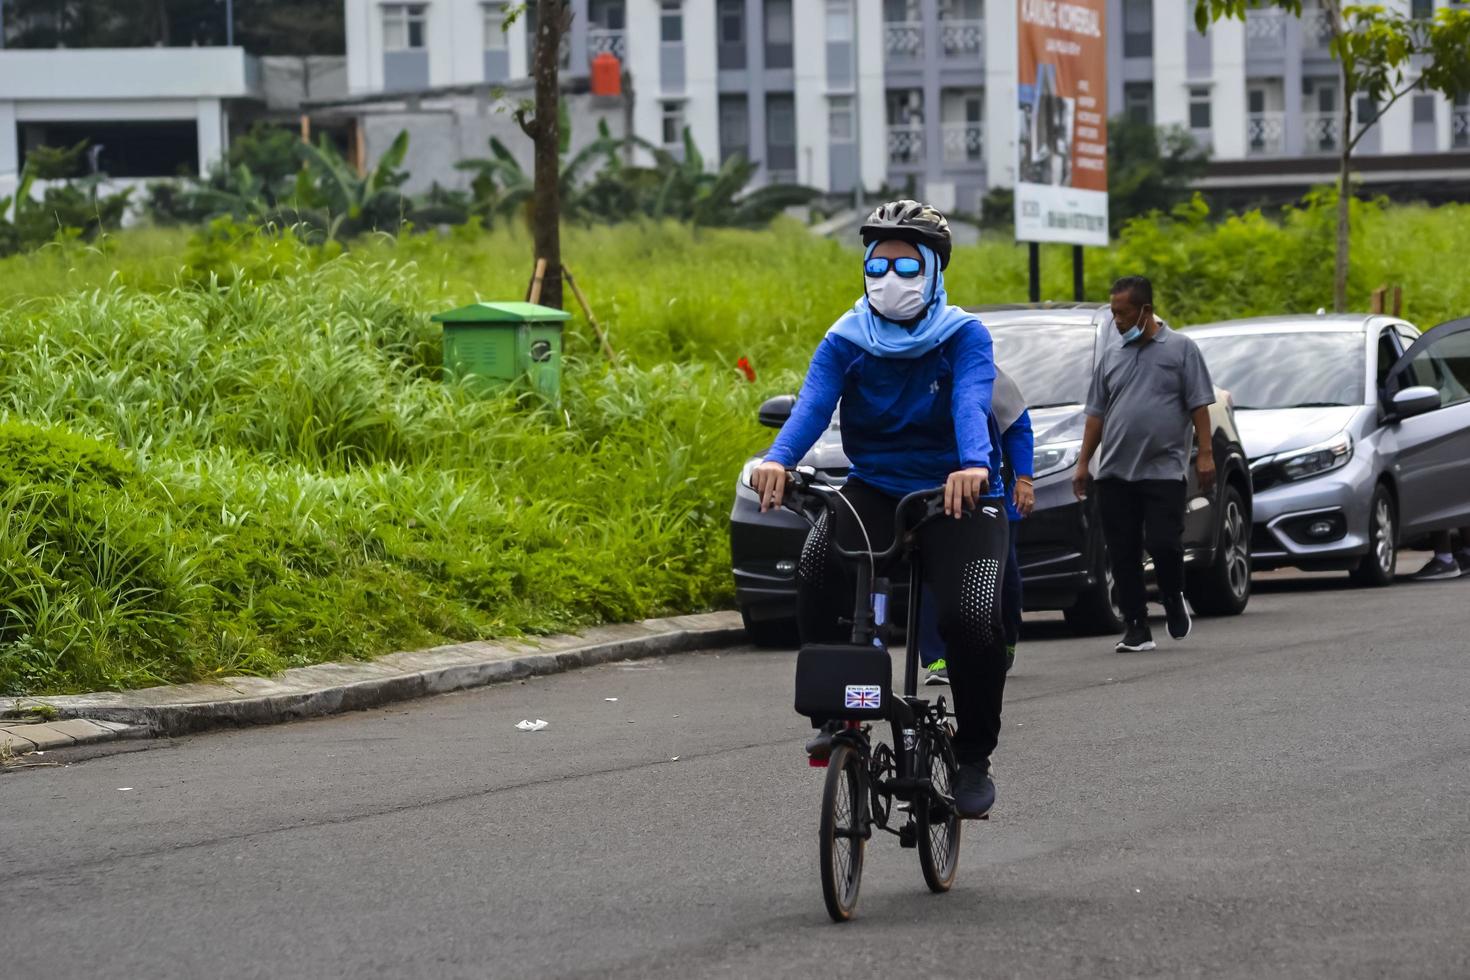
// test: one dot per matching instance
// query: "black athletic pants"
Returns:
(1139, 513)
(963, 567)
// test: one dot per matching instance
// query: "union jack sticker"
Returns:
(863, 696)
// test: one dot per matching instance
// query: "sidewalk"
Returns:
(323, 689)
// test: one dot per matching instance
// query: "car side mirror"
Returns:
(775, 411)
(1415, 401)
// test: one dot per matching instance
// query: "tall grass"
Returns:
(234, 452)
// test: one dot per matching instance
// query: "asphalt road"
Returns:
(1286, 794)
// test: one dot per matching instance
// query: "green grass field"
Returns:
(234, 453)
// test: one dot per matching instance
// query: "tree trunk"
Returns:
(551, 22)
(1344, 197)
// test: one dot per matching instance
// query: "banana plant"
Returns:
(352, 204)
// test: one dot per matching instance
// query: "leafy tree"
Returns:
(1149, 168)
(1382, 54)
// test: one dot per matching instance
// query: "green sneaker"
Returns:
(1010, 657)
(938, 673)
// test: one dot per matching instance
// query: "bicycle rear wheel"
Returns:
(939, 821)
(844, 832)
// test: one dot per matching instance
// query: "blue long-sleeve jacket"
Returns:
(1018, 446)
(907, 423)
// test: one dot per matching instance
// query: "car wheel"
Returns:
(1224, 588)
(779, 632)
(1378, 565)
(1096, 611)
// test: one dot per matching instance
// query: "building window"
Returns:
(778, 34)
(734, 127)
(1138, 102)
(671, 21)
(730, 29)
(961, 9)
(1138, 28)
(1422, 9)
(403, 26)
(1199, 108)
(781, 136)
(494, 27)
(673, 123)
(1424, 109)
(1366, 111)
(839, 20)
(839, 119)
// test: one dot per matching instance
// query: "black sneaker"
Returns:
(1137, 638)
(1438, 570)
(1462, 558)
(974, 791)
(1176, 609)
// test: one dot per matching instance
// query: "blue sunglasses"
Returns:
(905, 266)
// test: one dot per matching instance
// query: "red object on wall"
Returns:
(607, 75)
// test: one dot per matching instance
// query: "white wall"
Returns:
(1171, 70)
(125, 73)
(873, 144)
(642, 40)
(360, 53)
(9, 151)
(809, 31)
(1227, 108)
(1001, 108)
(701, 67)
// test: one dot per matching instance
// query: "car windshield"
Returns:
(1050, 362)
(1287, 370)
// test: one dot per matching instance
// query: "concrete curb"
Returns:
(324, 689)
(21, 738)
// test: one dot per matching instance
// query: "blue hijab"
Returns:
(863, 326)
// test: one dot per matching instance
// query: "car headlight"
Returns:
(1315, 460)
(1054, 457)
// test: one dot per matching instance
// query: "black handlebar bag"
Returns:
(843, 682)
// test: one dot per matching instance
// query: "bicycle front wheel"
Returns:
(844, 832)
(939, 821)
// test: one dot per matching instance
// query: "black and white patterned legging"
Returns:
(963, 565)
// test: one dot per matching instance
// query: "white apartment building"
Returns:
(920, 92)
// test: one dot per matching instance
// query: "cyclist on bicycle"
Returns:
(914, 376)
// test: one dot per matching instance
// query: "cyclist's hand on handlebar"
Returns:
(769, 482)
(963, 489)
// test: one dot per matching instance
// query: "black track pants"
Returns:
(1139, 513)
(963, 566)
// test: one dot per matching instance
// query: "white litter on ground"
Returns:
(527, 725)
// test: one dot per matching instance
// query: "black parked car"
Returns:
(1049, 350)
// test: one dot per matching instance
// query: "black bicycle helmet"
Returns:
(912, 222)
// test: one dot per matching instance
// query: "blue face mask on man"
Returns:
(1135, 331)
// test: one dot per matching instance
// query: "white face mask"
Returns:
(896, 298)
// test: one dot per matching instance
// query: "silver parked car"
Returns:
(1358, 433)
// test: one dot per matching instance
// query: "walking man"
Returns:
(1149, 385)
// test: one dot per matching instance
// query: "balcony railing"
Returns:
(962, 38)
(904, 39)
(964, 143)
(603, 41)
(1317, 27)
(905, 145)
(1265, 30)
(1321, 132)
(1460, 127)
(1265, 134)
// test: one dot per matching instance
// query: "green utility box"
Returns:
(497, 343)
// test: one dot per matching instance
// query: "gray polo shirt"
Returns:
(1144, 392)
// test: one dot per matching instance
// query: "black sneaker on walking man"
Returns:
(1149, 386)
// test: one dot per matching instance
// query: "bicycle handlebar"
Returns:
(799, 484)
